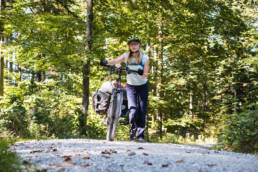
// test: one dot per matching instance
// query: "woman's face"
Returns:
(134, 46)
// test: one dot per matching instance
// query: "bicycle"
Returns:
(115, 107)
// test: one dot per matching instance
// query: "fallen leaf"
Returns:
(200, 170)
(164, 165)
(148, 163)
(140, 148)
(86, 165)
(62, 165)
(67, 158)
(77, 154)
(86, 157)
(211, 165)
(145, 154)
(34, 151)
(70, 162)
(113, 151)
(106, 152)
(54, 149)
(180, 161)
(105, 156)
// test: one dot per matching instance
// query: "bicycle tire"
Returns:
(110, 119)
(116, 116)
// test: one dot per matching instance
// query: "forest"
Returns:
(203, 79)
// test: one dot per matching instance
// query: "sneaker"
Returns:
(132, 137)
(132, 134)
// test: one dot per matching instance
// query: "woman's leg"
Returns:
(132, 106)
(142, 92)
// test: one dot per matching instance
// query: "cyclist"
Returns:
(137, 86)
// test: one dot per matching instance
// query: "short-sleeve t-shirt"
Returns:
(135, 78)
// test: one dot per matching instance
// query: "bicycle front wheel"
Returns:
(117, 113)
(111, 118)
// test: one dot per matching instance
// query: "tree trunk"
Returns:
(154, 76)
(148, 48)
(2, 5)
(235, 98)
(147, 115)
(204, 100)
(191, 98)
(160, 75)
(39, 77)
(20, 73)
(191, 103)
(1, 70)
(86, 68)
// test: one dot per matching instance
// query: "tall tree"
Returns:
(2, 6)
(86, 66)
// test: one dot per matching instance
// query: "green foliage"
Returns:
(8, 160)
(13, 115)
(202, 54)
(241, 131)
(45, 111)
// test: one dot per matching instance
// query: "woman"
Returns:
(137, 86)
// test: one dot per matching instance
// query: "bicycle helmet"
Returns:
(133, 38)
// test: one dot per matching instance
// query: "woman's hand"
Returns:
(145, 75)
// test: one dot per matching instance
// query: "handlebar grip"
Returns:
(139, 71)
(103, 62)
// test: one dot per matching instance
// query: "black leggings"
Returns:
(137, 115)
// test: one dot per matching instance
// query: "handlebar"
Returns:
(120, 68)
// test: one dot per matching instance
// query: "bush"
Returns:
(44, 111)
(13, 116)
(240, 133)
(8, 160)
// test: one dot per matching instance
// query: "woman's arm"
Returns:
(116, 61)
(146, 69)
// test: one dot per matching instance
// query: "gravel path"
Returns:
(119, 156)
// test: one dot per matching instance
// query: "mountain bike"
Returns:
(115, 107)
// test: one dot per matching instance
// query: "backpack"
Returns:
(101, 101)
